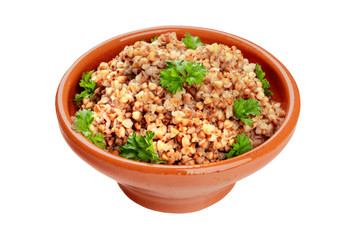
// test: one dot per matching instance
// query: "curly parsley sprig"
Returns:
(192, 42)
(88, 85)
(140, 148)
(265, 83)
(242, 145)
(82, 121)
(177, 72)
(244, 109)
(154, 39)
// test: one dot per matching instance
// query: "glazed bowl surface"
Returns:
(169, 188)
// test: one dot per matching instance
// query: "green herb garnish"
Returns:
(82, 122)
(243, 110)
(192, 42)
(154, 39)
(88, 85)
(177, 72)
(265, 83)
(242, 145)
(140, 148)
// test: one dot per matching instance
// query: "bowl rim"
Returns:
(279, 136)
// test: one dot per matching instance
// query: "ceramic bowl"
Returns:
(178, 189)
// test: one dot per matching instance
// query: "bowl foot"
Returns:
(174, 205)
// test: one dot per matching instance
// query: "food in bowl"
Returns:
(175, 188)
(177, 102)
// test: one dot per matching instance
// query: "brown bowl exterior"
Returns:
(178, 188)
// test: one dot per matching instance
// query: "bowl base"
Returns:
(175, 205)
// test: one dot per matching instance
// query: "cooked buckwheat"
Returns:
(195, 126)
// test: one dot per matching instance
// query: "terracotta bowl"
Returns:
(178, 189)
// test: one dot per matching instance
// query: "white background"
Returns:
(310, 191)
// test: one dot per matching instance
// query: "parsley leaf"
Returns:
(82, 122)
(98, 140)
(154, 39)
(192, 42)
(177, 72)
(83, 119)
(244, 108)
(242, 145)
(88, 85)
(140, 148)
(265, 83)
